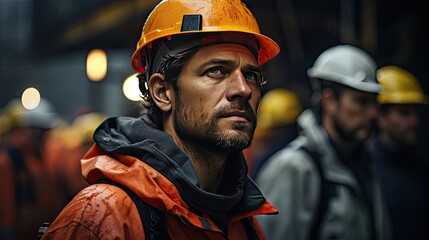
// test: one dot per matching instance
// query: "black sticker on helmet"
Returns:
(192, 22)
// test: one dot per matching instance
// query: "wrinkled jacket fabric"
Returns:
(291, 182)
(149, 163)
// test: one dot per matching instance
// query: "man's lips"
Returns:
(238, 114)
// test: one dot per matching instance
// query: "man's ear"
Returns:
(160, 91)
(328, 101)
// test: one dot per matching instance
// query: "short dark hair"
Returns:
(171, 69)
(319, 85)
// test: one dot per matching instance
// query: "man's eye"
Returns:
(214, 71)
(254, 77)
(367, 101)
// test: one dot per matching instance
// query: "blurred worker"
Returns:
(71, 143)
(322, 182)
(181, 162)
(27, 195)
(276, 127)
(404, 176)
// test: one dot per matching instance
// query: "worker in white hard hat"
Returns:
(321, 182)
(402, 169)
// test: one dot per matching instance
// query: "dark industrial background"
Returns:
(44, 43)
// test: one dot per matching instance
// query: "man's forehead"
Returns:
(227, 52)
(360, 95)
(356, 92)
(405, 107)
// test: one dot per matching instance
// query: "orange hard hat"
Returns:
(180, 17)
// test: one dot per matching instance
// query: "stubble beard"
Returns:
(351, 136)
(192, 127)
(407, 138)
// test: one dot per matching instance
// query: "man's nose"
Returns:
(238, 87)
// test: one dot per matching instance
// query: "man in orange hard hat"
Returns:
(181, 162)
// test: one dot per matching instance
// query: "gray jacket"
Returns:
(291, 182)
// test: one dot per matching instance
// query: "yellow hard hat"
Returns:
(82, 129)
(179, 17)
(399, 86)
(279, 107)
(87, 123)
(13, 115)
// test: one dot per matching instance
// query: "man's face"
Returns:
(355, 115)
(399, 123)
(218, 96)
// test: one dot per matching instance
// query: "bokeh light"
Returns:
(131, 88)
(96, 65)
(30, 98)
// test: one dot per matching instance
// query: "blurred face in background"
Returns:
(351, 115)
(399, 124)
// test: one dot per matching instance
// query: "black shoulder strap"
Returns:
(153, 219)
(249, 226)
(327, 190)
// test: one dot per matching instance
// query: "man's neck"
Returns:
(209, 166)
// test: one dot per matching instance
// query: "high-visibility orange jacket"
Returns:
(149, 163)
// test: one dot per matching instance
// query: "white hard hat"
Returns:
(347, 65)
